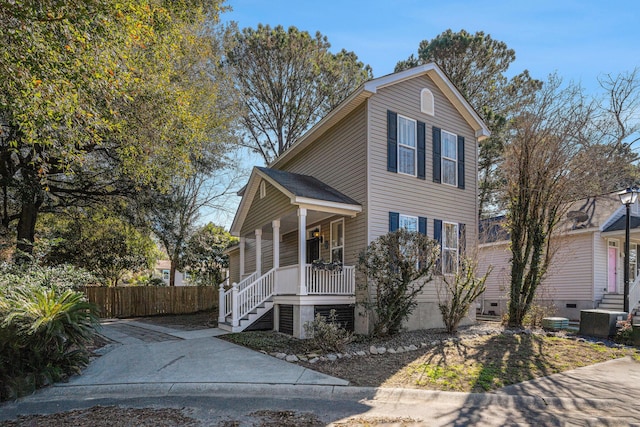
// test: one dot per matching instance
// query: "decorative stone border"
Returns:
(378, 350)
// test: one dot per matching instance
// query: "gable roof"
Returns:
(367, 89)
(303, 190)
(306, 186)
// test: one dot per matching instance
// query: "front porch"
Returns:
(243, 303)
(291, 252)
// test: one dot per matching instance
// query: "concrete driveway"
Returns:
(151, 354)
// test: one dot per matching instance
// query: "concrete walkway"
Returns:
(151, 354)
(215, 381)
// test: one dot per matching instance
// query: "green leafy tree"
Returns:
(477, 64)
(397, 266)
(99, 98)
(287, 80)
(204, 256)
(101, 243)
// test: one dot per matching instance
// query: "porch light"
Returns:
(316, 233)
(627, 198)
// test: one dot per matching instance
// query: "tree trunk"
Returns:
(172, 273)
(27, 227)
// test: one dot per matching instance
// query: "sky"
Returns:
(580, 40)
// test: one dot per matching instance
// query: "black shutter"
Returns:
(422, 225)
(437, 164)
(394, 221)
(461, 162)
(392, 141)
(437, 235)
(462, 239)
(421, 150)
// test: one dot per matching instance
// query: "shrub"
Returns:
(624, 335)
(44, 330)
(397, 265)
(327, 334)
(460, 292)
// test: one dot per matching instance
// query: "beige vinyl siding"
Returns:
(407, 194)
(289, 249)
(249, 256)
(338, 159)
(600, 260)
(262, 211)
(234, 266)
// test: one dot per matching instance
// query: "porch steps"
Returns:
(612, 302)
(247, 320)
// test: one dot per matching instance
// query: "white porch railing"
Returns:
(634, 294)
(287, 280)
(247, 299)
(331, 282)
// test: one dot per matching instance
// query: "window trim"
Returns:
(414, 148)
(446, 248)
(444, 158)
(168, 274)
(427, 102)
(331, 247)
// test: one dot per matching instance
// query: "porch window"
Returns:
(337, 241)
(449, 248)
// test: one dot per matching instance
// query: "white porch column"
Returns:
(275, 224)
(259, 251)
(242, 241)
(302, 251)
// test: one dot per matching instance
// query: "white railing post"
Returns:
(221, 306)
(235, 321)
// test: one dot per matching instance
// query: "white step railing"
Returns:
(225, 300)
(247, 299)
(331, 282)
(634, 294)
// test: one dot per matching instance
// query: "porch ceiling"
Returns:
(289, 222)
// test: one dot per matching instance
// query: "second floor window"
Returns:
(406, 146)
(449, 158)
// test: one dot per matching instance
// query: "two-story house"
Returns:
(400, 151)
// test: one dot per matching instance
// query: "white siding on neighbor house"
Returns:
(569, 278)
(409, 195)
(599, 266)
(496, 255)
(338, 158)
(570, 275)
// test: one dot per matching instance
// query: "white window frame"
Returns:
(444, 158)
(413, 148)
(427, 102)
(450, 249)
(331, 240)
(405, 218)
(166, 274)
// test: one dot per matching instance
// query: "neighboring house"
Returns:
(400, 151)
(587, 268)
(162, 270)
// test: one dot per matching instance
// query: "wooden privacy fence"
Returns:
(134, 301)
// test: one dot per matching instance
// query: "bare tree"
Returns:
(558, 151)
